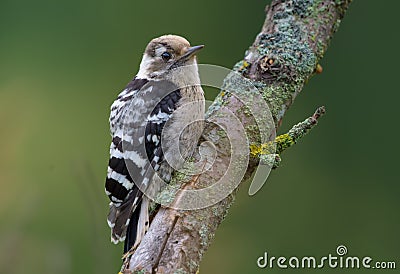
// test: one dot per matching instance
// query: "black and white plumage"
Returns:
(146, 119)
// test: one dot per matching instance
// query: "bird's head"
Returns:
(165, 55)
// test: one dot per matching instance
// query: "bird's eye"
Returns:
(166, 56)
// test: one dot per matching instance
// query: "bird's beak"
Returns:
(192, 51)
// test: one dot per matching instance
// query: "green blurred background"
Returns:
(62, 63)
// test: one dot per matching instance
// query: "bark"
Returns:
(283, 57)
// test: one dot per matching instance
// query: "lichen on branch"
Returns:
(269, 153)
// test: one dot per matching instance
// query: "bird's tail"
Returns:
(120, 215)
(138, 226)
(131, 232)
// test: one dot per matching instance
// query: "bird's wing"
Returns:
(137, 120)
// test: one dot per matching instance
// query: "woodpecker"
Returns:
(146, 119)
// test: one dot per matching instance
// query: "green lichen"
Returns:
(153, 207)
(204, 234)
(252, 131)
(303, 8)
(179, 177)
(342, 6)
(193, 266)
(137, 272)
(322, 15)
(218, 102)
(294, 59)
(221, 133)
(295, 47)
(245, 110)
(268, 153)
(283, 142)
(271, 160)
(180, 271)
(289, 46)
(241, 66)
(215, 211)
(167, 195)
(336, 25)
(302, 128)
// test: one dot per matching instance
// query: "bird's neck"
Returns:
(182, 76)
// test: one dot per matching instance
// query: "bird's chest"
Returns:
(183, 130)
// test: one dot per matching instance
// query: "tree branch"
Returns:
(285, 54)
(269, 153)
